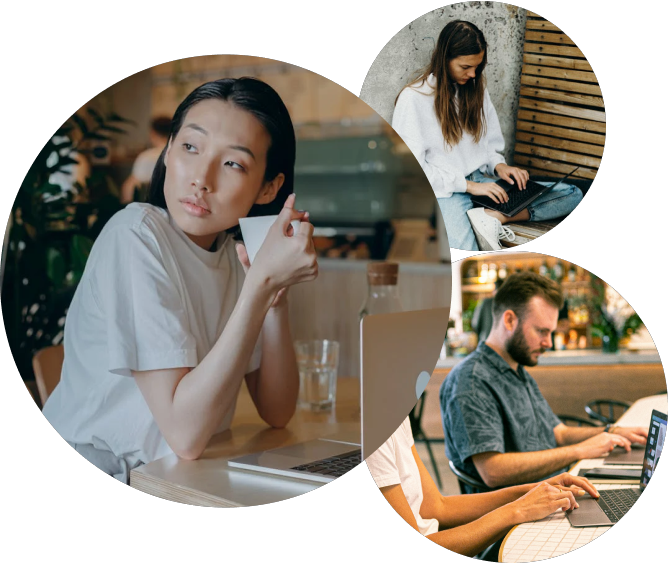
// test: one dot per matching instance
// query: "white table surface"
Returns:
(554, 535)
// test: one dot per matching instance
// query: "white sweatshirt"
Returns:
(446, 167)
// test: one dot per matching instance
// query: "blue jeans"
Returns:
(557, 202)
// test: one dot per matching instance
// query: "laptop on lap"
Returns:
(398, 354)
(614, 503)
(517, 199)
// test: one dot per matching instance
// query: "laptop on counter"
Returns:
(398, 354)
(517, 199)
(609, 508)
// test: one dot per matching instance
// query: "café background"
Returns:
(366, 195)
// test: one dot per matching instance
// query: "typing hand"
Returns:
(541, 501)
(601, 444)
(577, 485)
(491, 190)
(635, 435)
(507, 173)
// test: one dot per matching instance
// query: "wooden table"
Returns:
(209, 481)
(553, 536)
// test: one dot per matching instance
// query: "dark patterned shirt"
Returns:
(489, 407)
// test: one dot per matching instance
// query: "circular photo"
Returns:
(186, 269)
(502, 111)
(548, 412)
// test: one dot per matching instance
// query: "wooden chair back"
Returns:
(561, 118)
(47, 365)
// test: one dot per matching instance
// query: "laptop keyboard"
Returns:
(334, 466)
(617, 502)
(516, 196)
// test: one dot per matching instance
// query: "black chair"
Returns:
(577, 420)
(465, 479)
(595, 410)
(415, 417)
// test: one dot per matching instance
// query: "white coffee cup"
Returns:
(255, 229)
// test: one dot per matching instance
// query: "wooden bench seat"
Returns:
(561, 116)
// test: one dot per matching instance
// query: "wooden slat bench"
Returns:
(561, 116)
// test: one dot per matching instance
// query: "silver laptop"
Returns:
(398, 354)
(614, 503)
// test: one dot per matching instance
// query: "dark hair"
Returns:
(260, 100)
(457, 39)
(520, 288)
(161, 125)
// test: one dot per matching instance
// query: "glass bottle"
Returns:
(383, 292)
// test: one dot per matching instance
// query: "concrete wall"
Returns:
(410, 50)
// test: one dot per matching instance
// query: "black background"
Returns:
(58, 57)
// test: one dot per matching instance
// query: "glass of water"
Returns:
(318, 362)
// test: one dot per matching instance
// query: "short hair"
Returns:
(162, 126)
(520, 288)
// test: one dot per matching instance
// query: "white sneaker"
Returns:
(488, 230)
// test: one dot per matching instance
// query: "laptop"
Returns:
(517, 199)
(619, 456)
(614, 503)
(398, 354)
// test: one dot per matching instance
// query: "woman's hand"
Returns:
(242, 255)
(507, 173)
(541, 501)
(285, 257)
(491, 190)
(578, 485)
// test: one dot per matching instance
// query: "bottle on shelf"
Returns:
(383, 291)
(503, 271)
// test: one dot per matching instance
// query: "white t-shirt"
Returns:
(149, 299)
(393, 464)
(142, 169)
(446, 167)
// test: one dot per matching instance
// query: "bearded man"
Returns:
(499, 429)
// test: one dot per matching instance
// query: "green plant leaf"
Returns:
(97, 136)
(81, 123)
(113, 116)
(112, 129)
(80, 248)
(112, 187)
(48, 188)
(55, 267)
(95, 115)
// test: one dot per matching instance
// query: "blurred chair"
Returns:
(415, 417)
(570, 420)
(47, 364)
(465, 479)
(612, 409)
(30, 391)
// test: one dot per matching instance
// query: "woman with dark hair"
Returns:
(165, 325)
(447, 119)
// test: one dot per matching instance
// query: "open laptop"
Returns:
(614, 503)
(517, 199)
(398, 354)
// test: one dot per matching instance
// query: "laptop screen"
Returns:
(655, 440)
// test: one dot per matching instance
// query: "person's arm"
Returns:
(502, 469)
(189, 404)
(455, 511)
(493, 136)
(275, 386)
(566, 435)
(409, 119)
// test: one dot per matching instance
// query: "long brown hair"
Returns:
(458, 39)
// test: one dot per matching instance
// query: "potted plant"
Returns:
(50, 234)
